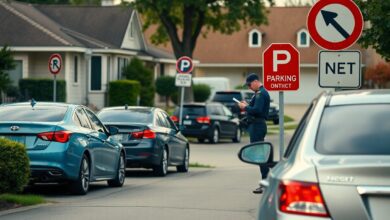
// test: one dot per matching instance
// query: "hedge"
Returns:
(14, 166)
(201, 92)
(42, 89)
(123, 92)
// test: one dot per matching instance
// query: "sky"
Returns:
(284, 2)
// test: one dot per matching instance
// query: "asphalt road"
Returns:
(223, 192)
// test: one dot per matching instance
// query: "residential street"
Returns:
(223, 192)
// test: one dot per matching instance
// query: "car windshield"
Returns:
(192, 110)
(227, 96)
(36, 114)
(355, 129)
(124, 116)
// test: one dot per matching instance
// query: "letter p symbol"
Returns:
(276, 61)
(184, 65)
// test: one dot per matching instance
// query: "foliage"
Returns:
(6, 63)
(201, 92)
(33, 88)
(165, 86)
(14, 166)
(241, 87)
(379, 74)
(182, 21)
(122, 92)
(136, 70)
(377, 34)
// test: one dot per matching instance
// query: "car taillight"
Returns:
(203, 120)
(145, 134)
(174, 118)
(57, 136)
(301, 198)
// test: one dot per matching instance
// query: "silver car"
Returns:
(337, 164)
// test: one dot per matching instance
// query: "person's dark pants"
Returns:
(257, 132)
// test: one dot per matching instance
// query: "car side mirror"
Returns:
(113, 130)
(258, 153)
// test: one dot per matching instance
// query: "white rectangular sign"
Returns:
(183, 80)
(339, 69)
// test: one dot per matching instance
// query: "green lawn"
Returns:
(198, 165)
(20, 199)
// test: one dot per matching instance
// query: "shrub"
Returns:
(42, 89)
(165, 86)
(136, 70)
(123, 92)
(201, 92)
(14, 166)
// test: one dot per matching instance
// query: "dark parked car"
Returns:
(150, 138)
(211, 121)
(337, 163)
(65, 143)
(226, 98)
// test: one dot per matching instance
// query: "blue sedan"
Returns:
(65, 143)
(150, 137)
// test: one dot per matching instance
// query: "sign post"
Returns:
(55, 64)
(184, 67)
(281, 72)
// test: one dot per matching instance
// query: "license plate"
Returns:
(187, 122)
(20, 139)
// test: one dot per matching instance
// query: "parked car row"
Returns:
(69, 143)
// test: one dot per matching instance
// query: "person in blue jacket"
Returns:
(257, 113)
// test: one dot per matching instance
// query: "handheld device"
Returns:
(236, 100)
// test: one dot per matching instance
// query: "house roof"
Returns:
(96, 27)
(283, 25)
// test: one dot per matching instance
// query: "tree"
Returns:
(377, 32)
(182, 21)
(379, 74)
(136, 70)
(165, 86)
(201, 92)
(6, 63)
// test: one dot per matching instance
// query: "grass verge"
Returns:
(198, 165)
(23, 200)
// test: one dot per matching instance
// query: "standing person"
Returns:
(257, 113)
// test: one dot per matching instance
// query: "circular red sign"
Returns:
(184, 65)
(55, 63)
(351, 39)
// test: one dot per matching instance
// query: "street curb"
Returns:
(22, 209)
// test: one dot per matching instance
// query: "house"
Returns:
(94, 42)
(236, 55)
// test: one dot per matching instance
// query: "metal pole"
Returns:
(281, 125)
(181, 107)
(55, 88)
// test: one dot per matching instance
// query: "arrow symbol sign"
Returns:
(329, 18)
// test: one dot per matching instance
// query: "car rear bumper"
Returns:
(47, 175)
(143, 154)
(203, 132)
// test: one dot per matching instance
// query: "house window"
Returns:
(76, 68)
(17, 73)
(303, 38)
(255, 38)
(122, 62)
(96, 73)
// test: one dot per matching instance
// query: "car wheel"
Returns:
(237, 138)
(81, 185)
(215, 138)
(186, 162)
(276, 121)
(121, 173)
(162, 168)
(201, 140)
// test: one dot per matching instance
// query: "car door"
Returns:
(93, 145)
(232, 122)
(225, 127)
(109, 151)
(176, 143)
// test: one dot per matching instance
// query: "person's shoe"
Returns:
(258, 190)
